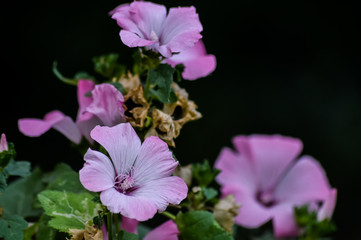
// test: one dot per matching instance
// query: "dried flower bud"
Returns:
(136, 107)
(225, 211)
(163, 127)
(128, 81)
(185, 173)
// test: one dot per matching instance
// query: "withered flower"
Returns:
(181, 111)
(225, 211)
(128, 81)
(136, 107)
(89, 233)
(163, 127)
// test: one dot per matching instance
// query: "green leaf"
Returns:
(11, 227)
(209, 193)
(44, 230)
(118, 86)
(67, 181)
(69, 210)
(3, 183)
(143, 230)
(30, 232)
(200, 225)
(58, 170)
(7, 156)
(108, 66)
(203, 173)
(18, 168)
(20, 196)
(123, 235)
(159, 82)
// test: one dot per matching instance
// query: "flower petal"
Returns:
(107, 104)
(133, 40)
(133, 207)
(122, 144)
(284, 224)
(161, 192)
(84, 87)
(35, 127)
(195, 60)
(129, 225)
(271, 155)
(154, 161)
(306, 181)
(251, 214)
(97, 173)
(3, 143)
(86, 126)
(166, 231)
(328, 206)
(236, 170)
(181, 29)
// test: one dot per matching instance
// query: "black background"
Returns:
(287, 67)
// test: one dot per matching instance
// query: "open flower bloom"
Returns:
(197, 63)
(147, 24)
(3, 143)
(267, 180)
(166, 231)
(103, 107)
(136, 182)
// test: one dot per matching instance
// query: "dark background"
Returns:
(287, 67)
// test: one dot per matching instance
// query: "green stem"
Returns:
(116, 222)
(110, 225)
(168, 214)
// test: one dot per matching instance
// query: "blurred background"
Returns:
(286, 67)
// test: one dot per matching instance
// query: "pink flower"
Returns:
(3, 143)
(147, 24)
(267, 180)
(328, 206)
(196, 61)
(136, 182)
(104, 107)
(166, 231)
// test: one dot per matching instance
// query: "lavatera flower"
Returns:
(146, 24)
(267, 180)
(98, 105)
(136, 182)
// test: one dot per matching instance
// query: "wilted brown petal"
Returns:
(225, 211)
(136, 107)
(185, 173)
(163, 127)
(76, 234)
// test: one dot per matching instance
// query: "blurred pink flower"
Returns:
(166, 231)
(147, 24)
(3, 143)
(328, 206)
(196, 61)
(267, 180)
(136, 182)
(103, 107)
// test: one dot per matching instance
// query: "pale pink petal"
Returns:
(148, 16)
(163, 191)
(107, 104)
(122, 144)
(154, 161)
(236, 170)
(133, 207)
(32, 127)
(133, 40)
(305, 182)
(251, 214)
(328, 206)
(195, 60)
(98, 172)
(104, 231)
(3, 143)
(284, 224)
(124, 20)
(86, 126)
(84, 87)
(129, 225)
(166, 231)
(181, 29)
(271, 154)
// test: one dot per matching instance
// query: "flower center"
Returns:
(123, 183)
(153, 36)
(265, 198)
